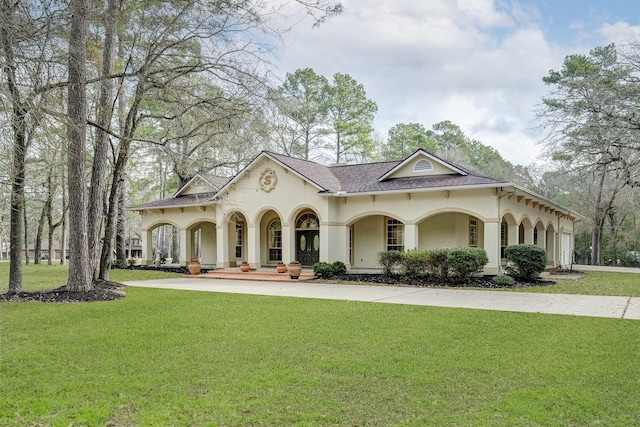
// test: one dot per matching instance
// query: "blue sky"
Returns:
(477, 63)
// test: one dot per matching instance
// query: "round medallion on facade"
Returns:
(268, 180)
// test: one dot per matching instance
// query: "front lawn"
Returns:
(43, 277)
(595, 283)
(166, 357)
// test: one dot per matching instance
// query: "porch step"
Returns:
(261, 274)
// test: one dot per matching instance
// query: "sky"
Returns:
(476, 63)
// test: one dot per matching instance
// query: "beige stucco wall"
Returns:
(432, 219)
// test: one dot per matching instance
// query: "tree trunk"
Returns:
(598, 224)
(63, 224)
(25, 228)
(121, 254)
(80, 269)
(18, 125)
(101, 146)
(37, 248)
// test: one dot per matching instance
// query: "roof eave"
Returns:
(412, 190)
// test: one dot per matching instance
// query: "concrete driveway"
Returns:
(576, 305)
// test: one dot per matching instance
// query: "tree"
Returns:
(101, 141)
(350, 119)
(302, 99)
(586, 116)
(404, 139)
(80, 270)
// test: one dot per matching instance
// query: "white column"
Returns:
(253, 246)
(222, 243)
(528, 236)
(492, 247)
(186, 246)
(288, 243)
(334, 243)
(410, 236)
(147, 249)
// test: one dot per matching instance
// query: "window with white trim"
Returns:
(504, 237)
(473, 232)
(395, 235)
(275, 241)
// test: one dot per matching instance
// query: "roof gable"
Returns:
(200, 184)
(314, 173)
(422, 163)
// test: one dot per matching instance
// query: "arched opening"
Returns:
(165, 243)
(237, 229)
(307, 238)
(202, 242)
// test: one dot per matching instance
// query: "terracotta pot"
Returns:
(294, 270)
(195, 267)
(281, 268)
(244, 267)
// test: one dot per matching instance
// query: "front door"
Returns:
(308, 246)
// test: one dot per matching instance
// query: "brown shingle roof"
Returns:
(360, 178)
(364, 179)
(186, 200)
(314, 172)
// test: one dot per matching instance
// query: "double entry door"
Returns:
(308, 246)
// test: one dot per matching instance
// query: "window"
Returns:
(275, 241)
(395, 235)
(473, 232)
(504, 237)
(308, 220)
(239, 238)
(535, 236)
(422, 166)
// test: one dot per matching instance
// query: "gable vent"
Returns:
(422, 166)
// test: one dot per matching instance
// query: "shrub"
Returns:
(414, 262)
(389, 260)
(437, 263)
(323, 269)
(339, 268)
(326, 270)
(504, 280)
(525, 261)
(465, 262)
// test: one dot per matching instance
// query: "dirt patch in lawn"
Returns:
(102, 291)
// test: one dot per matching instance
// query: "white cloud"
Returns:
(619, 32)
(474, 62)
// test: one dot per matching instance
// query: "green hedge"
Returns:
(326, 270)
(526, 262)
(465, 262)
(389, 260)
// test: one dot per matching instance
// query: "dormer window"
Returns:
(422, 165)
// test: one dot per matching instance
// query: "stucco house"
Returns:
(280, 208)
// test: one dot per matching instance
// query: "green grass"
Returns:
(595, 283)
(42, 276)
(165, 357)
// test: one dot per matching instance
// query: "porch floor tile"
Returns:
(261, 274)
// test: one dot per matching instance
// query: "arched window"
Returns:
(307, 220)
(275, 240)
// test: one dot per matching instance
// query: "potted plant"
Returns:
(294, 268)
(195, 266)
(244, 267)
(281, 267)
